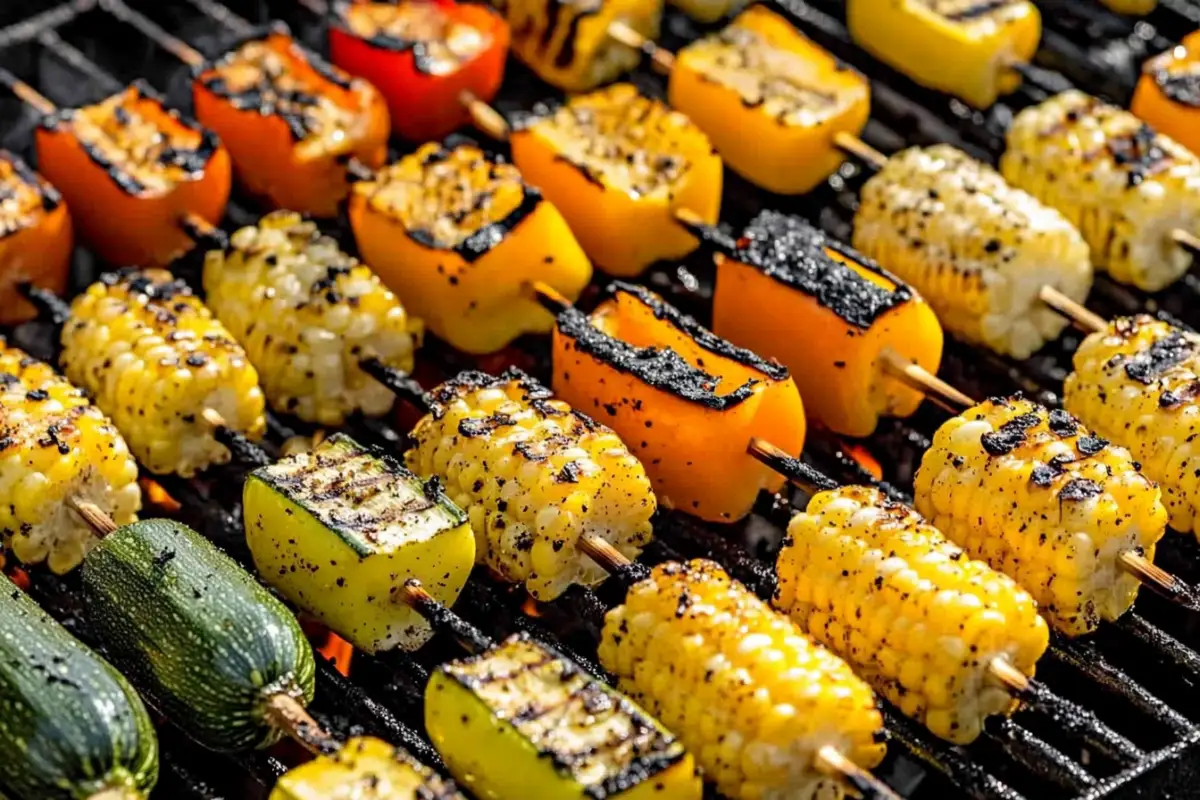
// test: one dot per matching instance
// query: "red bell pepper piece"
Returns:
(422, 54)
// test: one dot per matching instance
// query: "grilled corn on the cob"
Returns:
(1124, 186)
(364, 768)
(749, 694)
(922, 622)
(1034, 494)
(520, 720)
(55, 445)
(155, 359)
(976, 248)
(534, 476)
(307, 314)
(1138, 383)
(338, 529)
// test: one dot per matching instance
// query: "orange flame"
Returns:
(157, 495)
(864, 459)
(530, 607)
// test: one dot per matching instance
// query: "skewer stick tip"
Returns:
(485, 118)
(285, 713)
(799, 474)
(97, 518)
(213, 418)
(1159, 580)
(1083, 318)
(603, 553)
(550, 298)
(1188, 241)
(1003, 672)
(922, 380)
(831, 760)
(852, 145)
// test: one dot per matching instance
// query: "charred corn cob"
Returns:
(751, 696)
(534, 476)
(307, 314)
(56, 445)
(1124, 186)
(976, 248)
(962, 47)
(364, 768)
(520, 720)
(338, 529)
(155, 359)
(619, 166)
(1038, 497)
(1137, 383)
(566, 42)
(770, 99)
(1167, 96)
(917, 618)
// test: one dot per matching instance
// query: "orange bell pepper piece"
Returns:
(684, 400)
(618, 166)
(291, 121)
(770, 99)
(1168, 93)
(787, 291)
(35, 237)
(459, 238)
(131, 170)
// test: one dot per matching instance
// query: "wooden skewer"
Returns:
(1188, 241)
(412, 594)
(485, 118)
(1083, 318)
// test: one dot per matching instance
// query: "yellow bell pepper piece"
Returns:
(770, 100)
(1168, 93)
(618, 166)
(956, 46)
(458, 236)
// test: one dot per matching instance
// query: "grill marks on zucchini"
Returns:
(196, 633)
(70, 725)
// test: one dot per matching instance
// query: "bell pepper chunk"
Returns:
(35, 237)
(567, 43)
(960, 47)
(709, 10)
(422, 55)
(1168, 93)
(684, 400)
(619, 166)
(132, 169)
(789, 292)
(770, 100)
(291, 121)
(459, 237)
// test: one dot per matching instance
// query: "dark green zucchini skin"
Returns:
(195, 633)
(70, 725)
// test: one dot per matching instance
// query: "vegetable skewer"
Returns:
(1166, 96)
(37, 238)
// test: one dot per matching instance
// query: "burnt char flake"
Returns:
(1010, 435)
(1079, 489)
(1139, 153)
(1149, 365)
(699, 334)
(794, 253)
(1181, 85)
(656, 367)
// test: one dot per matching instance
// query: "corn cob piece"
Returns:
(976, 248)
(963, 47)
(155, 359)
(751, 696)
(534, 476)
(365, 768)
(917, 618)
(520, 720)
(1138, 383)
(337, 530)
(1039, 498)
(567, 43)
(56, 445)
(1124, 186)
(307, 314)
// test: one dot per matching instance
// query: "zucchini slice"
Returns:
(70, 726)
(364, 768)
(338, 530)
(198, 636)
(520, 720)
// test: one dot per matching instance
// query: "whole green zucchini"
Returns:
(71, 727)
(195, 633)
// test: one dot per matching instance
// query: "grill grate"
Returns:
(1098, 731)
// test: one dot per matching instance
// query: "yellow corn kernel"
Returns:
(1124, 186)
(742, 686)
(155, 359)
(860, 573)
(534, 476)
(976, 248)
(364, 768)
(961, 47)
(1136, 383)
(307, 314)
(337, 530)
(1035, 495)
(56, 445)
(520, 720)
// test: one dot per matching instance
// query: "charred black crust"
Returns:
(1139, 153)
(698, 333)
(1010, 435)
(1149, 365)
(793, 252)
(1180, 87)
(51, 198)
(473, 380)
(982, 8)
